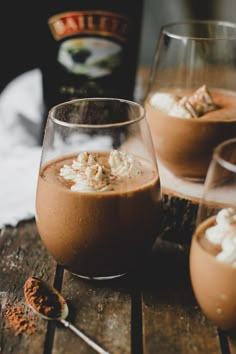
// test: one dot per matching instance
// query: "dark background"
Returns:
(21, 42)
(22, 26)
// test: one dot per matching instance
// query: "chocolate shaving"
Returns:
(183, 108)
(202, 102)
(194, 106)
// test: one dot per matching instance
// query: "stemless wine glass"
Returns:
(213, 246)
(98, 198)
(191, 96)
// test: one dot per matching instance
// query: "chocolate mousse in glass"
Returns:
(98, 202)
(213, 268)
(191, 98)
(213, 246)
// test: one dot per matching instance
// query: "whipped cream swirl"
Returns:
(223, 233)
(123, 164)
(88, 173)
(195, 106)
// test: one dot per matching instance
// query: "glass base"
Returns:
(108, 277)
(193, 179)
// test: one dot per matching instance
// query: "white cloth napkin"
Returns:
(21, 114)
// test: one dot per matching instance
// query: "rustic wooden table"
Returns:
(151, 312)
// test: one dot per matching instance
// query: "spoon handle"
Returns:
(84, 337)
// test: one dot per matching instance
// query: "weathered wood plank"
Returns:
(102, 310)
(21, 255)
(232, 344)
(172, 321)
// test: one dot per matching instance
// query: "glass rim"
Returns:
(220, 160)
(165, 29)
(93, 126)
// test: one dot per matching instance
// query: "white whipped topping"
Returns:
(224, 235)
(95, 178)
(84, 159)
(199, 103)
(88, 173)
(182, 109)
(164, 101)
(123, 164)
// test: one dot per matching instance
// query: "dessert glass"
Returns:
(98, 200)
(213, 246)
(191, 95)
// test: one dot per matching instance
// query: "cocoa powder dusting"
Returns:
(42, 299)
(19, 319)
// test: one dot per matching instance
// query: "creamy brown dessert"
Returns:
(186, 126)
(213, 268)
(98, 214)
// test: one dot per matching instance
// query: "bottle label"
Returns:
(89, 22)
(91, 53)
(90, 49)
(94, 55)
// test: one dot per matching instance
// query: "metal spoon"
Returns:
(48, 303)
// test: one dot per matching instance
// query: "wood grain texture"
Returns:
(102, 310)
(21, 255)
(172, 321)
(110, 312)
(180, 205)
(179, 220)
(232, 344)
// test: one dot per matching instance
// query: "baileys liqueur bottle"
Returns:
(91, 49)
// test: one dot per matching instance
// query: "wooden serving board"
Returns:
(180, 205)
